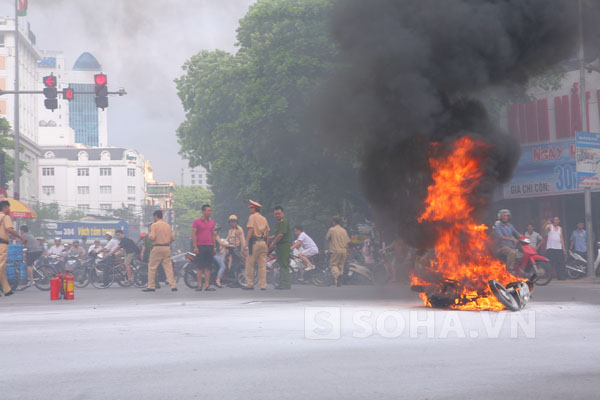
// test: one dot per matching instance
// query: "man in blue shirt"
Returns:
(579, 240)
(507, 239)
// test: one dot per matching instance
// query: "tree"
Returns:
(249, 116)
(187, 205)
(7, 163)
(74, 215)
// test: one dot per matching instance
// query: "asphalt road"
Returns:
(325, 343)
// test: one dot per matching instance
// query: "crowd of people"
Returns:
(154, 248)
(550, 242)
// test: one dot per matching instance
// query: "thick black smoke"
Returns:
(413, 72)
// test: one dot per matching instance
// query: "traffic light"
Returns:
(50, 92)
(101, 91)
(68, 94)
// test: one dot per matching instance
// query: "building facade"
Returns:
(544, 183)
(197, 176)
(29, 55)
(92, 180)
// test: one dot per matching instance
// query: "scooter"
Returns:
(532, 266)
(576, 265)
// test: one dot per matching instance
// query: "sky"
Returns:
(141, 45)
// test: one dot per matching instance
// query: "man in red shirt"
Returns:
(203, 239)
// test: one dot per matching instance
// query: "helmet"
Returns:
(504, 212)
(57, 238)
(233, 217)
(142, 235)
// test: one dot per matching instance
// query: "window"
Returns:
(130, 171)
(193, 176)
(83, 172)
(48, 190)
(105, 189)
(83, 207)
(105, 172)
(83, 190)
(193, 182)
(48, 171)
(106, 206)
(130, 189)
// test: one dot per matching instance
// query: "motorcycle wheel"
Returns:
(573, 274)
(544, 273)
(504, 296)
(122, 280)
(322, 278)
(190, 278)
(97, 280)
(42, 276)
(241, 278)
(81, 277)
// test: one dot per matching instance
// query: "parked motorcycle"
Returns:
(298, 273)
(576, 265)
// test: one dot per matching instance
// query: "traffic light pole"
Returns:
(121, 92)
(16, 127)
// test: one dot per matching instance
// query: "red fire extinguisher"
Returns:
(55, 287)
(69, 286)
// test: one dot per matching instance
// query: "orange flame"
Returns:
(461, 252)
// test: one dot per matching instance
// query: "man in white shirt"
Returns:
(111, 243)
(306, 247)
(96, 247)
(58, 249)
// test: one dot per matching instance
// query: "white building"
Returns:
(28, 103)
(197, 176)
(92, 180)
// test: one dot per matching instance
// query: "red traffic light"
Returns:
(49, 81)
(68, 94)
(100, 79)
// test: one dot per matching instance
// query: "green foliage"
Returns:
(248, 115)
(73, 215)
(6, 143)
(187, 204)
(124, 213)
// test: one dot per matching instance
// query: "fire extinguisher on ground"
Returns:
(69, 286)
(56, 286)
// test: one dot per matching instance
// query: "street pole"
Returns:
(17, 177)
(587, 191)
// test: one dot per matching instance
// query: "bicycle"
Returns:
(17, 275)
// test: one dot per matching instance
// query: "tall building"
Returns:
(28, 103)
(197, 176)
(89, 123)
(81, 113)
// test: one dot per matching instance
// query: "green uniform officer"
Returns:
(282, 242)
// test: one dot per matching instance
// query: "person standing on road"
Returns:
(203, 240)
(339, 244)
(555, 248)
(162, 236)
(256, 247)
(282, 241)
(579, 240)
(6, 229)
(34, 251)
(535, 238)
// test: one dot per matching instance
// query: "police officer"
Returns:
(339, 243)
(282, 241)
(6, 229)
(256, 247)
(162, 236)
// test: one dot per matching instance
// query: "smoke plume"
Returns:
(413, 73)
